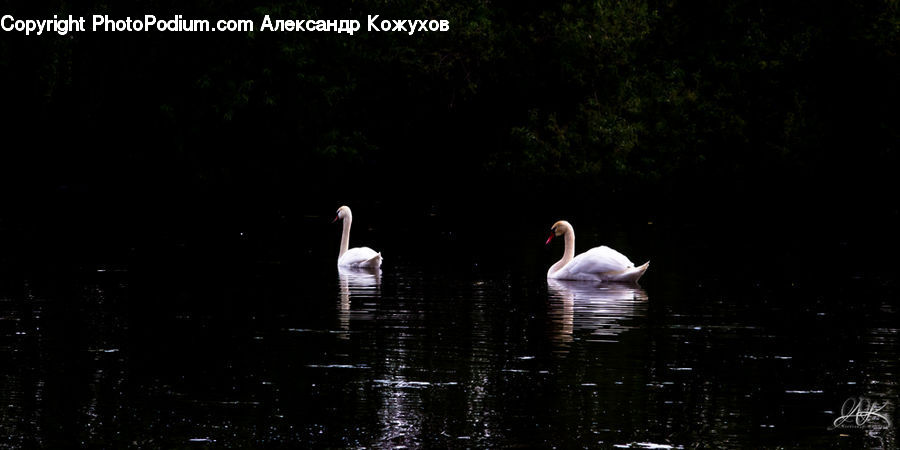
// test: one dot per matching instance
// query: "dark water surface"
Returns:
(242, 340)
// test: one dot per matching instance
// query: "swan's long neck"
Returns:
(345, 236)
(569, 253)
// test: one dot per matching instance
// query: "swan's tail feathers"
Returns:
(374, 261)
(633, 274)
(639, 271)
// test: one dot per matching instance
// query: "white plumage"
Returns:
(360, 257)
(597, 264)
(354, 257)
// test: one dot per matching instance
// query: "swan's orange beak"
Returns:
(335, 219)
(549, 239)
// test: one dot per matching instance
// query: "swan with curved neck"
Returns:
(354, 257)
(597, 264)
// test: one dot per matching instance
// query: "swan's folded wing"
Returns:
(599, 260)
(357, 256)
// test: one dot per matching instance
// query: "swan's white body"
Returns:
(360, 257)
(597, 264)
(354, 257)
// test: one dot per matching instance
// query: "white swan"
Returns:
(354, 257)
(597, 264)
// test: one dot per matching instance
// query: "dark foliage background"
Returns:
(766, 114)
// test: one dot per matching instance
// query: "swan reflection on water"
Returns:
(602, 310)
(356, 283)
(397, 399)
